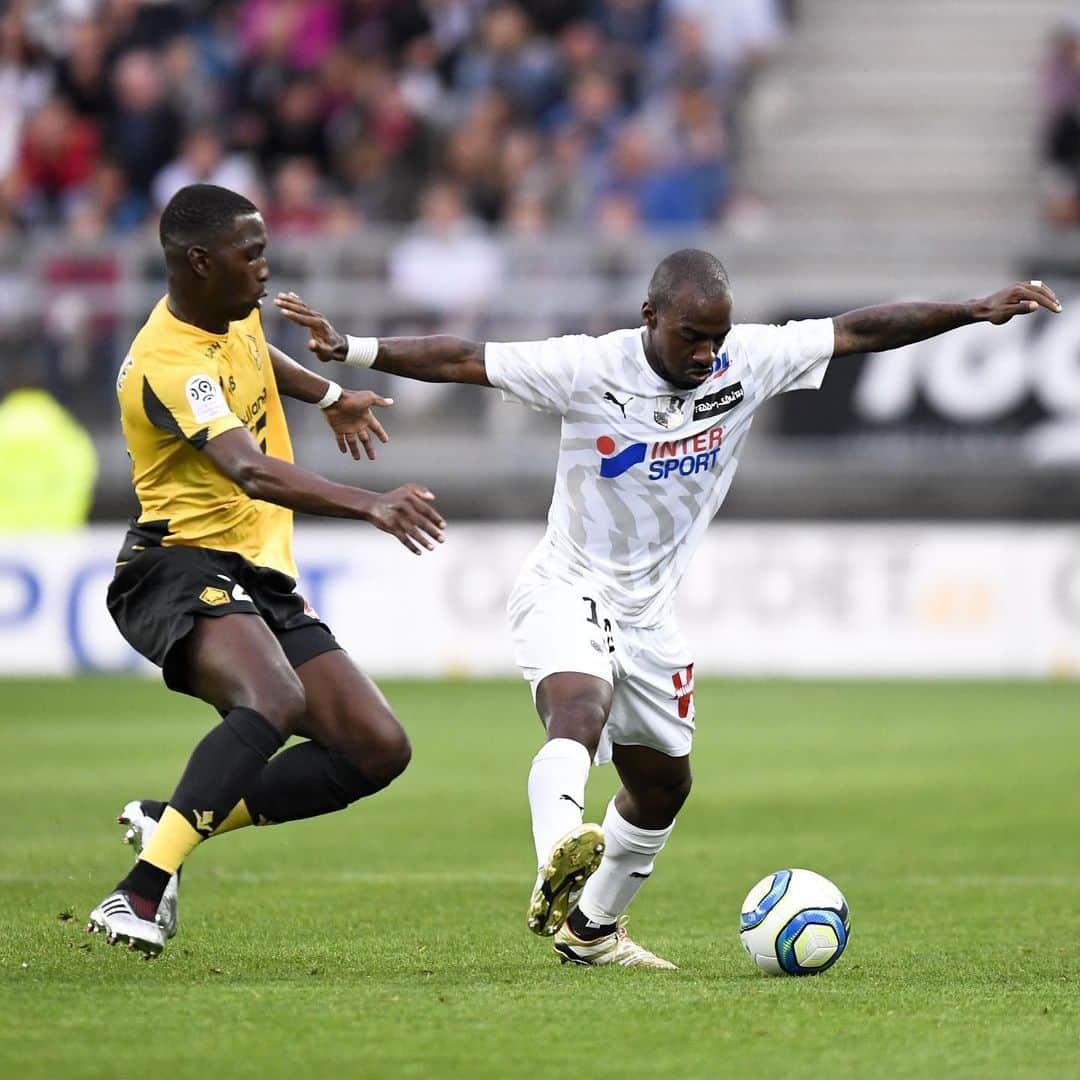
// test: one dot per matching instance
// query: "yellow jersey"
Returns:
(179, 387)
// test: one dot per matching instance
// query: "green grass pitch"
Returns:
(390, 941)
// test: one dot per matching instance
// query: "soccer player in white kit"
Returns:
(654, 420)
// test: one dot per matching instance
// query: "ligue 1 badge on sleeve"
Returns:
(669, 412)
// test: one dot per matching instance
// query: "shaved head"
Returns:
(705, 273)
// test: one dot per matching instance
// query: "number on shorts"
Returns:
(594, 618)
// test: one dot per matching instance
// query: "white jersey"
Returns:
(643, 466)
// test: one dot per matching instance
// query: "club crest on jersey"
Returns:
(253, 349)
(670, 412)
(679, 457)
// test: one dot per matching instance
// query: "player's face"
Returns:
(685, 338)
(239, 270)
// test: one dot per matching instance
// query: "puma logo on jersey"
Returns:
(609, 396)
(574, 801)
(204, 820)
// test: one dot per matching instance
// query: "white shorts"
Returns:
(562, 627)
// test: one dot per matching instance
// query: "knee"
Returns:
(580, 719)
(389, 759)
(670, 796)
(282, 701)
(678, 793)
(382, 754)
(657, 805)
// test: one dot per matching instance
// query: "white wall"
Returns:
(806, 600)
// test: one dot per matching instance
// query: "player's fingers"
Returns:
(369, 449)
(302, 316)
(422, 499)
(431, 518)
(291, 300)
(407, 541)
(342, 445)
(424, 527)
(354, 446)
(424, 534)
(382, 402)
(1043, 295)
(377, 428)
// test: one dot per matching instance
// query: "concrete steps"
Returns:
(916, 121)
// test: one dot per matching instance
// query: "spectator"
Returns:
(143, 132)
(82, 75)
(472, 156)
(24, 87)
(194, 96)
(297, 127)
(594, 109)
(629, 30)
(520, 104)
(526, 216)
(297, 202)
(388, 27)
(509, 58)
(203, 160)
(664, 193)
(139, 24)
(446, 263)
(1061, 138)
(571, 175)
(106, 203)
(741, 35)
(58, 155)
(686, 127)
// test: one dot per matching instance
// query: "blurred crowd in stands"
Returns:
(1061, 124)
(331, 113)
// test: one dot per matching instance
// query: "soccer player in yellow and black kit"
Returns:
(205, 582)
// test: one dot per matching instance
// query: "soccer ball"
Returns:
(794, 922)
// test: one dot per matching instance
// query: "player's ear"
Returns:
(648, 315)
(199, 260)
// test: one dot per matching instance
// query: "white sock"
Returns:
(629, 854)
(557, 792)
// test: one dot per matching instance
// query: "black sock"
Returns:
(145, 883)
(221, 768)
(583, 930)
(305, 781)
(153, 808)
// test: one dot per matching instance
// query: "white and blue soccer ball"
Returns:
(794, 922)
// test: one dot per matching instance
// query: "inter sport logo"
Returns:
(682, 457)
(616, 464)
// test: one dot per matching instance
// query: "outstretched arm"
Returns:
(350, 417)
(891, 326)
(439, 358)
(406, 512)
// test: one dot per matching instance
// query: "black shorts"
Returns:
(157, 593)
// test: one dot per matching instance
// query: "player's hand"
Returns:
(353, 422)
(408, 513)
(325, 342)
(1020, 299)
